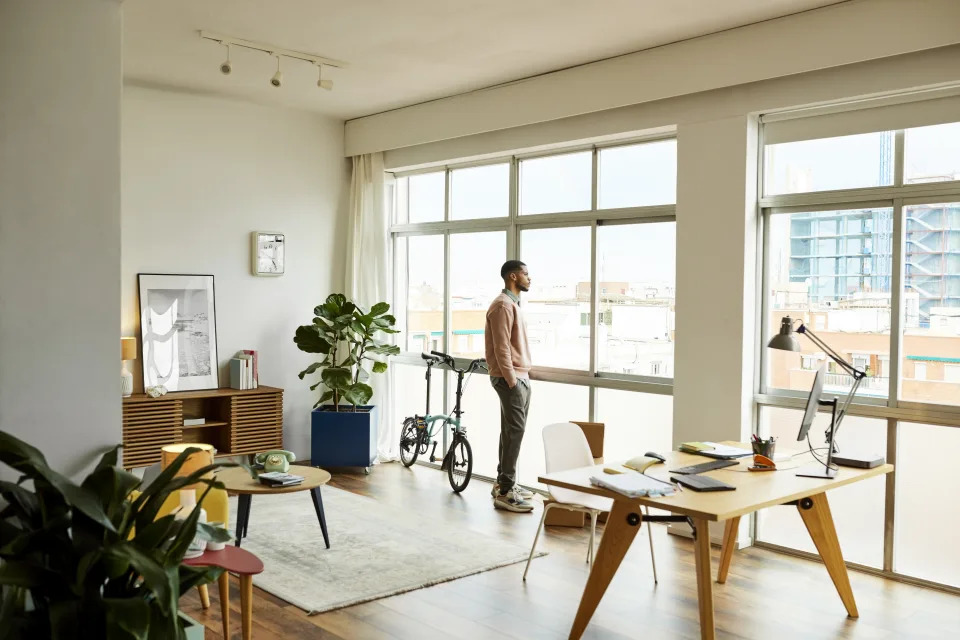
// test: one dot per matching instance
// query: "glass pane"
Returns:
(932, 154)
(924, 548)
(410, 392)
(550, 402)
(931, 295)
(481, 407)
(637, 280)
(427, 193)
(480, 192)
(557, 307)
(857, 509)
(634, 423)
(475, 261)
(638, 175)
(556, 183)
(847, 162)
(423, 264)
(846, 302)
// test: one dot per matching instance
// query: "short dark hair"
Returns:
(509, 267)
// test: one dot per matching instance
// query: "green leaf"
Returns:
(384, 349)
(362, 375)
(336, 377)
(313, 387)
(127, 618)
(26, 574)
(212, 533)
(379, 309)
(191, 577)
(379, 367)
(358, 394)
(326, 397)
(312, 368)
(308, 339)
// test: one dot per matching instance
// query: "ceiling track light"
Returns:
(226, 67)
(277, 78)
(323, 84)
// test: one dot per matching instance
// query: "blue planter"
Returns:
(344, 438)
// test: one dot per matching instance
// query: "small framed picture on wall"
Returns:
(267, 253)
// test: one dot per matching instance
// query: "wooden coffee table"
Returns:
(237, 480)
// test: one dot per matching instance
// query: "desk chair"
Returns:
(565, 447)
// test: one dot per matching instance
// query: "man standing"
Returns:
(508, 360)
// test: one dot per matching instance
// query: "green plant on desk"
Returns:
(93, 560)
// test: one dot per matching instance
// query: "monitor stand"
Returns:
(817, 471)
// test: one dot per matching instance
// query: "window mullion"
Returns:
(896, 302)
(594, 299)
(898, 155)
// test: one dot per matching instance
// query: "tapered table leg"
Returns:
(224, 583)
(318, 507)
(815, 512)
(246, 605)
(204, 596)
(243, 516)
(701, 547)
(726, 552)
(622, 526)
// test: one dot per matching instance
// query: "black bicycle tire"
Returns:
(411, 423)
(469, 458)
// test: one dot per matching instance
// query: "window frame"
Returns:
(514, 224)
(893, 408)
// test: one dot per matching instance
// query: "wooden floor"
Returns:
(767, 595)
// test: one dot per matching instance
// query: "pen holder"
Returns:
(764, 447)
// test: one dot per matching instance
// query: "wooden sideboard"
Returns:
(236, 422)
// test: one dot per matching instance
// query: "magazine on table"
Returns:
(277, 478)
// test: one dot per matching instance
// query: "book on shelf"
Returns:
(237, 374)
(255, 374)
(192, 422)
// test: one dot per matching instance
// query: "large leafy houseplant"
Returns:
(347, 338)
(93, 560)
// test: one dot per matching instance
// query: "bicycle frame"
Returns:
(453, 419)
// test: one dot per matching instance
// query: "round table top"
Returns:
(231, 558)
(238, 480)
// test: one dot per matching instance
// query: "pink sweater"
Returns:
(505, 338)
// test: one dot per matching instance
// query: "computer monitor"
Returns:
(813, 402)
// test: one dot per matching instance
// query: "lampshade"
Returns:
(195, 461)
(786, 340)
(128, 348)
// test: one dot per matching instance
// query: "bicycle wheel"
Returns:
(409, 442)
(460, 465)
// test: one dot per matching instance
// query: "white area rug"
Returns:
(376, 550)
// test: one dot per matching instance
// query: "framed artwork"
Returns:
(267, 253)
(178, 328)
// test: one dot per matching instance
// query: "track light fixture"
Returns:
(277, 78)
(226, 67)
(323, 84)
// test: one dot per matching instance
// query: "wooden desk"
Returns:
(755, 491)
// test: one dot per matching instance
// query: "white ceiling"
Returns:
(406, 52)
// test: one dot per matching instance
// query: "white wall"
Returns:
(199, 174)
(60, 74)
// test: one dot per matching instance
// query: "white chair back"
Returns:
(565, 447)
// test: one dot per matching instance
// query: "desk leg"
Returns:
(243, 516)
(224, 582)
(726, 552)
(318, 507)
(701, 547)
(622, 526)
(815, 512)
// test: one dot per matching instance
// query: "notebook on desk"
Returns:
(715, 450)
(634, 485)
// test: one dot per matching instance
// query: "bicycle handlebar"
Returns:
(437, 357)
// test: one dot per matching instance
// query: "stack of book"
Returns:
(245, 370)
(278, 479)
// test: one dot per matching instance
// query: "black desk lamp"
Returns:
(786, 340)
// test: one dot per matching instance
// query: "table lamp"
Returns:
(194, 461)
(128, 351)
(786, 340)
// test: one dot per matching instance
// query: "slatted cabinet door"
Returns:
(257, 422)
(148, 426)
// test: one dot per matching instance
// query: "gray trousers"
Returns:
(514, 405)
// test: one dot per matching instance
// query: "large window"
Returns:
(596, 229)
(874, 271)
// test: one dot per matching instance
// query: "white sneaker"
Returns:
(524, 493)
(511, 501)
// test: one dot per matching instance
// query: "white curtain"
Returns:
(369, 275)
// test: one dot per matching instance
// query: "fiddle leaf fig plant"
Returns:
(348, 339)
